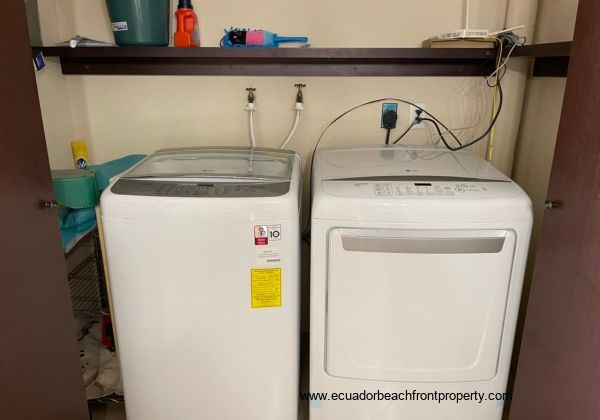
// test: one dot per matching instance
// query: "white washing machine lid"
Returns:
(210, 172)
(403, 163)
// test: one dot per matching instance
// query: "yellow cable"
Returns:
(489, 155)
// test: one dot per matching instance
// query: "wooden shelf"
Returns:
(273, 61)
(555, 49)
(551, 60)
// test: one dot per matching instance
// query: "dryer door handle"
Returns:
(388, 245)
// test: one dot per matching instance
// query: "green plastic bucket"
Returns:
(140, 22)
(75, 188)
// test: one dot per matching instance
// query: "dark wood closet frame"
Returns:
(558, 369)
(558, 372)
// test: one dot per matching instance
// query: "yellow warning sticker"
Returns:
(266, 287)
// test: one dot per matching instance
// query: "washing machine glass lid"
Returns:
(218, 164)
(210, 172)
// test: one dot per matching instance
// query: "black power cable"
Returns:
(431, 118)
(389, 119)
(486, 132)
(437, 127)
(412, 124)
(424, 111)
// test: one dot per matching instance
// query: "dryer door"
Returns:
(417, 305)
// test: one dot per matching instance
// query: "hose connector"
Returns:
(299, 95)
(251, 98)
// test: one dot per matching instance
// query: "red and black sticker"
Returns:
(261, 235)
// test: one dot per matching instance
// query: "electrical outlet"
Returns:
(387, 106)
(413, 115)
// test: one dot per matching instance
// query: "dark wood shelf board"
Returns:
(273, 53)
(551, 67)
(273, 61)
(555, 49)
(551, 60)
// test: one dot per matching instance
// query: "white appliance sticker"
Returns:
(268, 256)
(274, 232)
(119, 26)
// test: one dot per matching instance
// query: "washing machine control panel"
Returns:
(189, 189)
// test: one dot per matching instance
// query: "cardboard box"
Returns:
(460, 43)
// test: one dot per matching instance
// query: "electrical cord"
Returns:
(389, 120)
(502, 66)
(500, 72)
(489, 152)
(405, 132)
(486, 132)
(411, 125)
(437, 139)
(437, 127)
(433, 117)
(374, 101)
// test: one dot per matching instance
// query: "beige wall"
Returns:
(56, 114)
(541, 113)
(556, 20)
(120, 115)
(53, 89)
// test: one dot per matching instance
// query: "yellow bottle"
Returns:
(80, 154)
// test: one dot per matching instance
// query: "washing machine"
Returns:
(417, 265)
(203, 257)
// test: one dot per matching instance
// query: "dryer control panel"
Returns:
(423, 189)
(415, 189)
